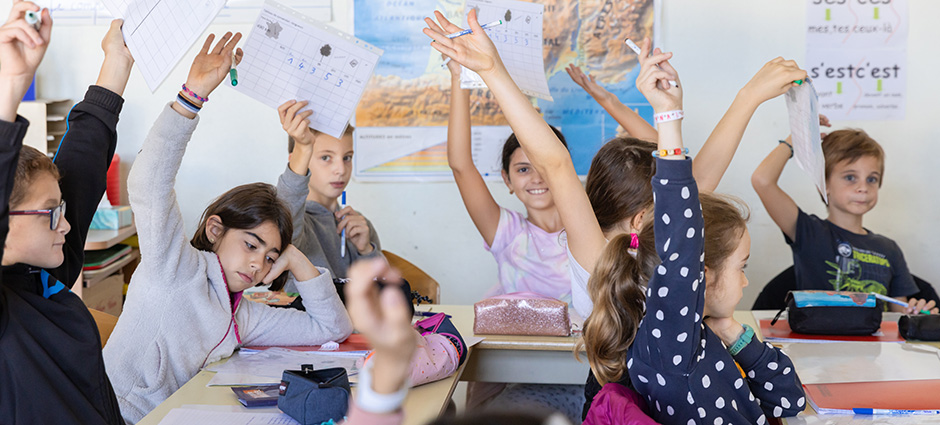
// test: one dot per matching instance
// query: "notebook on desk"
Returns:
(895, 395)
(781, 332)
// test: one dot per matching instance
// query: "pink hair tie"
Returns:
(634, 241)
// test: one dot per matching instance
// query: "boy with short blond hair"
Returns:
(838, 253)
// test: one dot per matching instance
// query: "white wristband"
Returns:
(370, 401)
(668, 116)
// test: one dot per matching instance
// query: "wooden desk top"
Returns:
(423, 404)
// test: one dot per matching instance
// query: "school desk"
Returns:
(516, 359)
(423, 404)
(749, 319)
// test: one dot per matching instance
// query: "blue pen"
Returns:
(342, 236)
(894, 412)
(894, 301)
(469, 31)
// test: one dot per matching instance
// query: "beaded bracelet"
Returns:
(186, 103)
(668, 116)
(668, 152)
(789, 146)
(194, 95)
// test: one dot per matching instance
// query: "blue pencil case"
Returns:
(832, 313)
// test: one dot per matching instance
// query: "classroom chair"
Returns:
(105, 322)
(419, 280)
(774, 294)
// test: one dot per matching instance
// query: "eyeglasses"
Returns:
(54, 214)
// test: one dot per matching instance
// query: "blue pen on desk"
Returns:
(894, 301)
(342, 236)
(894, 412)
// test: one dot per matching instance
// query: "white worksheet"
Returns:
(291, 56)
(159, 32)
(518, 40)
(803, 106)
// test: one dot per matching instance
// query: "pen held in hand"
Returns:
(637, 50)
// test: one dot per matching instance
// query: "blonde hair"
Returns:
(618, 284)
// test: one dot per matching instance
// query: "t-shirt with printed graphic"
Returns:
(529, 258)
(828, 257)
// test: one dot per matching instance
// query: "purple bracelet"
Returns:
(194, 95)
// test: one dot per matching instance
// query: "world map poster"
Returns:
(401, 121)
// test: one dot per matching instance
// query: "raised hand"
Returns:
(211, 67)
(773, 79)
(22, 48)
(384, 318)
(587, 83)
(475, 51)
(118, 61)
(296, 124)
(453, 67)
(654, 79)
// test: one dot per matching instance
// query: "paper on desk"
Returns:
(248, 367)
(803, 106)
(160, 32)
(863, 362)
(804, 419)
(211, 417)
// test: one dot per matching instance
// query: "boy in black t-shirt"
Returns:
(838, 253)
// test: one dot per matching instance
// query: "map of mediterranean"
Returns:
(401, 121)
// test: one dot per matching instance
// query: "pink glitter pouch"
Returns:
(521, 313)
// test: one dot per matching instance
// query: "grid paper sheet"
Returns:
(518, 40)
(159, 32)
(291, 56)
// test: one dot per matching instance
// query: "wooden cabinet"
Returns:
(47, 123)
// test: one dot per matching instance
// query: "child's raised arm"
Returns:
(772, 80)
(483, 209)
(553, 162)
(116, 68)
(781, 207)
(626, 117)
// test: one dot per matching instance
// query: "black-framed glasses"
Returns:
(54, 214)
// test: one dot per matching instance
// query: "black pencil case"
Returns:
(312, 397)
(921, 327)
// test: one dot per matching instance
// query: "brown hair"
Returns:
(850, 145)
(290, 140)
(31, 163)
(512, 143)
(618, 282)
(246, 207)
(618, 183)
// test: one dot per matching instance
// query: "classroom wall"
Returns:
(718, 46)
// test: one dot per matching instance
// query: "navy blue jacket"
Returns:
(678, 363)
(51, 369)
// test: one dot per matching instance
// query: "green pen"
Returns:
(233, 73)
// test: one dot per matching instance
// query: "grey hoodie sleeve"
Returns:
(325, 319)
(164, 248)
(292, 189)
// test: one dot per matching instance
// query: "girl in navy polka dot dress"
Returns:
(682, 358)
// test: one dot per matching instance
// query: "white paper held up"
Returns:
(803, 107)
(291, 56)
(159, 32)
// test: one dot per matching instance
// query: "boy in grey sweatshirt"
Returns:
(316, 176)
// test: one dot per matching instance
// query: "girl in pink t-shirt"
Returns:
(529, 248)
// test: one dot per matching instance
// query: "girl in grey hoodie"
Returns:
(183, 307)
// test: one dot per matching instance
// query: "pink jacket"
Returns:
(617, 404)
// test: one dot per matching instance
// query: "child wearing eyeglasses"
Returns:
(51, 367)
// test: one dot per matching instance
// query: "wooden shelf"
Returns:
(104, 239)
(92, 277)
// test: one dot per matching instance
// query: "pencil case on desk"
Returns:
(832, 313)
(920, 327)
(312, 397)
(521, 313)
